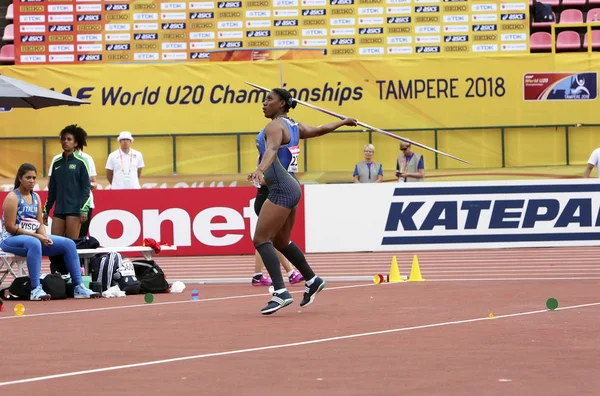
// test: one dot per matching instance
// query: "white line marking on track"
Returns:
(279, 346)
(264, 295)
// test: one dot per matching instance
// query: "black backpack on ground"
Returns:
(112, 269)
(542, 12)
(151, 277)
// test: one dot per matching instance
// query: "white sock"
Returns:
(280, 290)
(310, 282)
(290, 273)
(258, 274)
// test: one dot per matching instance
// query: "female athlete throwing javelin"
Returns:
(278, 148)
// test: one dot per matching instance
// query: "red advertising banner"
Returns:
(219, 221)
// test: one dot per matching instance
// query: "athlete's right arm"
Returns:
(308, 131)
(9, 208)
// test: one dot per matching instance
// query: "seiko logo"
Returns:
(513, 26)
(256, 43)
(406, 29)
(258, 4)
(177, 36)
(118, 57)
(230, 14)
(116, 7)
(427, 19)
(117, 47)
(314, 12)
(202, 15)
(455, 39)
(117, 17)
(258, 33)
(345, 51)
(342, 11)
(456, 48)
(173, 26)
(146, 46)
(455, 8)
(203, 25)
(370, 41)
(485, 37)
(286, 33)
(377, 30)
(342, 41)
(230, 44)
(484, 28)
(150, 6)
(285, 22)
(313, 22)
(145, 36)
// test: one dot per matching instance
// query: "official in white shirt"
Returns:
(124, 166)
(594, 161)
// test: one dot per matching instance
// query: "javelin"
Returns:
(331, 113)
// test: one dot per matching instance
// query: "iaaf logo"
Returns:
(486, 215)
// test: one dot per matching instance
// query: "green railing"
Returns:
(238, 135)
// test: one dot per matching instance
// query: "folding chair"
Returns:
(7, 261)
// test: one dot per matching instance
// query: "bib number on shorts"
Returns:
(293, 167)
(29, 225)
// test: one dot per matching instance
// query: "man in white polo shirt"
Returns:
(594, 161)
(124, 166)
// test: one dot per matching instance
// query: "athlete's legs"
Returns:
(272, 217)
(58, 226)
(73, 226)
(291, 251)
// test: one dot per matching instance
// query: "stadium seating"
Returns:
(9, 33)
(7, 53)
(9, 13)
(568, 38)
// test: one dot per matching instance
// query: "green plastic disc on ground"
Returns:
(552, 304)
(149, 298)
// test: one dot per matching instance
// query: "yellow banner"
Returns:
(213, 98)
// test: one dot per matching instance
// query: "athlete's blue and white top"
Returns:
(26, 216)
(280, 178)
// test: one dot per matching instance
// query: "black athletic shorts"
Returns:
(63, 216)
(261, 197)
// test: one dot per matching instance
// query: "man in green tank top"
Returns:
(410, 166)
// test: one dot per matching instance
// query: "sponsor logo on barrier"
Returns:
(453, 216)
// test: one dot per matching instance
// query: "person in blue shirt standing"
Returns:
(23, 233)
(278, 146)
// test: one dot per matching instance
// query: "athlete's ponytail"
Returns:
(21, 172)
(290, 102)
